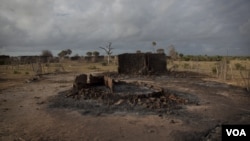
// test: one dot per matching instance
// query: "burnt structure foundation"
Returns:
(107, 91)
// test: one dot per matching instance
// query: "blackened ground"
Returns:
(36, 111)
(165, 103)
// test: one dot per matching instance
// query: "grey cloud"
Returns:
(245, 28)
(193, 26)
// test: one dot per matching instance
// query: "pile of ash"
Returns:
(106, 94)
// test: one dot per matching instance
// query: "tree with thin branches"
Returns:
(108, 50)
(65, 53)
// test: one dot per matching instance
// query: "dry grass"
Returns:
(235, 76)
(74, 66)
(11, 75)
(19, 73)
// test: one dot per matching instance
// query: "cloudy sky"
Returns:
(212, 27)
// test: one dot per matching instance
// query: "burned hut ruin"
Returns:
(109, 92)
(141, 63)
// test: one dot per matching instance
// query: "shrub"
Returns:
(238, 66)
(187, 58)
(27, 73)
(58, 65)
(57, 70)
(16, 72)
(92, 67)
(176, 66)
(104, 63)
(214, 70)
(186, 66)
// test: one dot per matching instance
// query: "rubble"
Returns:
(33, 79)
(96, 79)
(80, 82)
(103, 89)
(109, 83)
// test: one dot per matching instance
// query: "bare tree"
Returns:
(108, 49)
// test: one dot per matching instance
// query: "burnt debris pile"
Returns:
(105, 90)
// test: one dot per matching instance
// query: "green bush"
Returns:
(16, 72)
(214, 70)
(104, 63)
(186, 58)
(238, 66)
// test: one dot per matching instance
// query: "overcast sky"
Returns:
(210, 27)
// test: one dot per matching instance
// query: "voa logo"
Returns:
(236, 132)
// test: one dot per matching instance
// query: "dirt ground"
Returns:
(25, 113)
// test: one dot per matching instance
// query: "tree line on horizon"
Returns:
(172, 54)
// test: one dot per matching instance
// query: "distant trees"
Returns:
(64, 53)
(138, 51)
(75, 57)
(95, 53)
(108, 50)
(46, 56)
(89, 53)
(199, 58)
(154, 44)
(47, 53)
(5, 59)
(181, 55)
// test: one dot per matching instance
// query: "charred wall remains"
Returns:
(109, 91)
(141, 63)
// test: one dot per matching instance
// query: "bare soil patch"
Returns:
(40, 111)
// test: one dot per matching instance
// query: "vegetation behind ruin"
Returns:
(233, 70)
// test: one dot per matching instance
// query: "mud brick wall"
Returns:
(156, 63)
(131, 63)
(80, 82)
(4, 59)
(141, 63)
